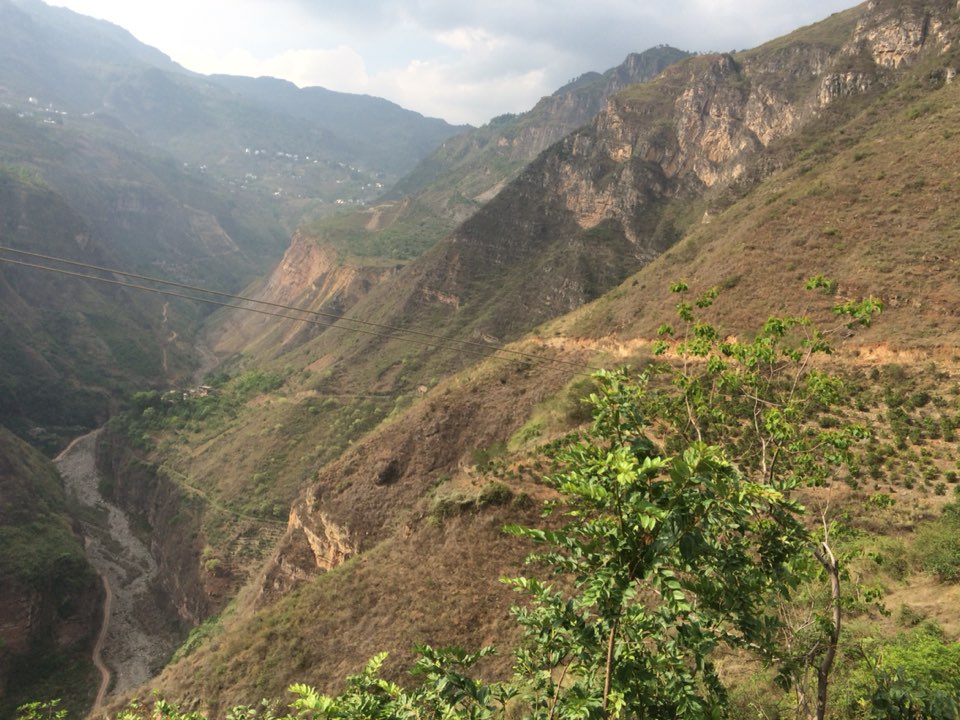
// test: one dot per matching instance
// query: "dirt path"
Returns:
(138, 635)
(170, 340)
(105, 675)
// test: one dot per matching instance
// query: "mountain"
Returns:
(302, 149)
(113, 155)
(476, 164)
(377, 132)
(427, 204)
(395, 457)
(466, 170)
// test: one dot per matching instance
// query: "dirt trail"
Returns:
(138, 635)
(105, 675)
(170, 340)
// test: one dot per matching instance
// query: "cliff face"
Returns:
(478, 163)
(50, 598)
(175, 541)
(311, 275)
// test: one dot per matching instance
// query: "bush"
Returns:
(938, 545)
(915, 676)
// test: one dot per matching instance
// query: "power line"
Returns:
(482, 349)
(171, 293)
(484, 346)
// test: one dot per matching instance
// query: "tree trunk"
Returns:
(825, 557)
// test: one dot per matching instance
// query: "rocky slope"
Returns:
(475, 165)
(607, 199)
(51, 596)
(312, 276)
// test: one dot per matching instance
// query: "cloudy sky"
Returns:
(462, 60)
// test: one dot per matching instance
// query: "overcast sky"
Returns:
(463, 60)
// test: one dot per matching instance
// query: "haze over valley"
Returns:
(288, 377)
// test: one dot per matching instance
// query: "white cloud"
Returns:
(440, 90)
(469, 40)
(463, 60)
(341, 68)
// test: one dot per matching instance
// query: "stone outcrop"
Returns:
(175, 542)
(311, 275)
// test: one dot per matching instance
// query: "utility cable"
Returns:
(486, 351)
(172, 293)
(444, 341)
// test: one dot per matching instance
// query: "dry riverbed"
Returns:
(140, 635)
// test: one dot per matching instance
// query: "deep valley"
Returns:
(290, 384)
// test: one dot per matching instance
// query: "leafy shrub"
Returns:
(915, 676)
(938, 545)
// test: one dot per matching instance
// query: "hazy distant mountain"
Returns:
(59, 56)
(368, 125)
(54, 59)
(113, 154)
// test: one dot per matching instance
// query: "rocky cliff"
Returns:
(312, 275)
(50, 597)
(175, 541)
(477, 164)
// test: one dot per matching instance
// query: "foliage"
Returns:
(151, 410)
(446, 690)
(938, 545)
(46, 710)
(915, 676)
(759, 398)
(672, 558)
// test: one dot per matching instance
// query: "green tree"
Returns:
(671, 557)
(759, 399)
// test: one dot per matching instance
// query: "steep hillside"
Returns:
(829, 151)
(467, 170)
(473, 166)
(50, 607)
(65, 344)
(403, 229)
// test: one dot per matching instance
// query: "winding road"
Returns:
(137, 635)
(105, 675)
